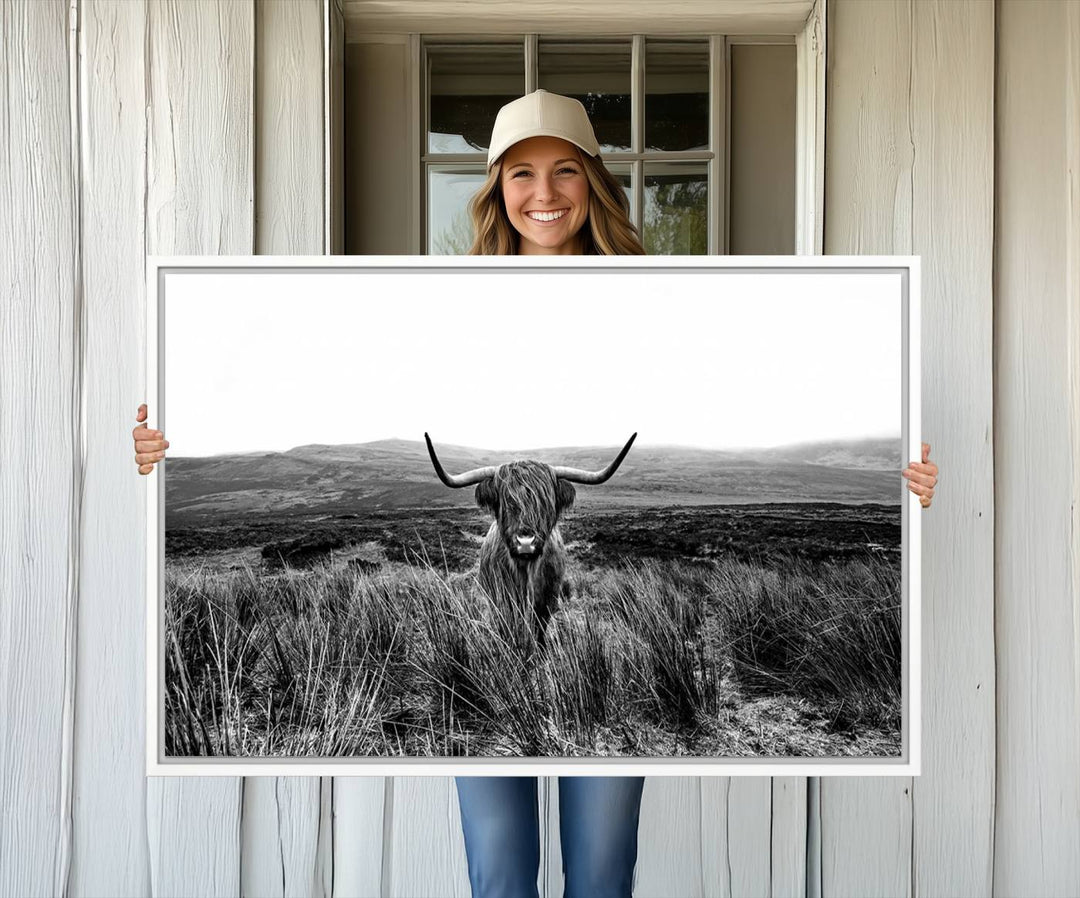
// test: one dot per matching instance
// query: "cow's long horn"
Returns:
(576, 475)
(459, 480)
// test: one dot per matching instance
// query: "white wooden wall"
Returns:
(200, 127)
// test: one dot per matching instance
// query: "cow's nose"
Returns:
(525, 543)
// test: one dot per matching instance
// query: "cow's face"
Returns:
(526, 499)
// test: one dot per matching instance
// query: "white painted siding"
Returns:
(199, 128)
(199, 197)
(108, 821)
(40, 447)
(1036, 838)
(909, 149)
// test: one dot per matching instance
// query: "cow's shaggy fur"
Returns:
(527, 498)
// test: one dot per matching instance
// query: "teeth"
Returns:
(546, 216)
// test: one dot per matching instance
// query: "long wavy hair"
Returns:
(607, 231)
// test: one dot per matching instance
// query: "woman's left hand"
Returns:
(922, 477)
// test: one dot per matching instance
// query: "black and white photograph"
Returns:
(469, 512)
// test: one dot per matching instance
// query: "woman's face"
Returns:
(546, 195)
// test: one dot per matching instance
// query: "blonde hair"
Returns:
(607, 231)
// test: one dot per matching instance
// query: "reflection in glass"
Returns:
(467, 84)
(676, 209)
(623, 176)
(597, 74)
(449, 191)
(676, 95)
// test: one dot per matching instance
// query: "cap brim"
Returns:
(541, 132)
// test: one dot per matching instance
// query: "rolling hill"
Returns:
(395, 473)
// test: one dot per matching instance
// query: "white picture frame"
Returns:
(904, 271)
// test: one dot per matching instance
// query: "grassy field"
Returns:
(711, 656)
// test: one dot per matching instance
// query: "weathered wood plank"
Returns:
(289, 127)
(200, 181)
(669, 838)
(362, 810)
(952, 130)
(109, 812)
(788, 845)
(280, 837)
(40, 450)
(426, 849)
(199, 200)
(1037, 455)
(866, 822)
(736, 827)
(866, 836)
(280, 830)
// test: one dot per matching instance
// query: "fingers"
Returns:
(922, 477)
(150, 445)
(916, 474)
(921, 489)
(142, 432)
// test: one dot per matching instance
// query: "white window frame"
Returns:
(810, 125)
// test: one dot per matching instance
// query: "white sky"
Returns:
(515, 360)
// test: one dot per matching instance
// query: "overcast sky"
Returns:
(508, 360)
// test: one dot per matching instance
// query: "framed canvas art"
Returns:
(496, 515)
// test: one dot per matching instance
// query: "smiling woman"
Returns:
(548, 192)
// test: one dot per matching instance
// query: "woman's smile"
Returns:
(547, 217)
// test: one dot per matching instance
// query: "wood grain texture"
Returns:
(40, 446)
(425, 848)
(869, 156)
(554, 17)
(1037, 608)
(281, 819)
(669, 838)
(788, 837)
(200, 181)
(280, 837)
(361, 815)
(199, 201)
(193, 829)
(109, 812)
(736, 824)
(289, 132)
(952, 131)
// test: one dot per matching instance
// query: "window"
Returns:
(656, 105)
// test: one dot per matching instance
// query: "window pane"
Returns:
(622, 174)
(676, 95)
(676, 209)
(597, 74)
(449, 191)
(466, 87)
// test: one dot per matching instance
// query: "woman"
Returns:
(548, 193)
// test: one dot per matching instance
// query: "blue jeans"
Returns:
(598, 820)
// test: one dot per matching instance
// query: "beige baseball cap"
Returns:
(541, 114)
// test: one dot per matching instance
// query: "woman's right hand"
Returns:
(150, 445)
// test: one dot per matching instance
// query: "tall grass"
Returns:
(412, 660)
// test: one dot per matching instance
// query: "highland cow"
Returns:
(523, 558)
